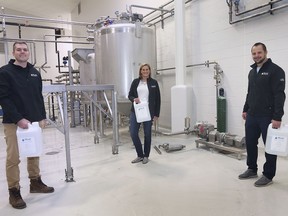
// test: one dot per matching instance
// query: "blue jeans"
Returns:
(254, 127)
(134, 133)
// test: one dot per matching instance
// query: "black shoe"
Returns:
(263, 181)
(37, 186)
(249, 173)
(15, 199)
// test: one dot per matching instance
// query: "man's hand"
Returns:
(276, 124)
(244, 115)
(23, 123)
(43, 123)
(136, 100)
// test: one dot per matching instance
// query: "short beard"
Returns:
(261, 61)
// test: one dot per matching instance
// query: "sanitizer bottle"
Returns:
(30, 140)
(277, 141)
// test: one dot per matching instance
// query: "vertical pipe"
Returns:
(180, 42)
(69, 172)
(34, 55)
(95, 119)
(4, 36)
(72, 94)
(101, 129)
(115, 123)
(53, 106)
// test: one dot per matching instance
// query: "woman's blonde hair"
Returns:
(143, 65)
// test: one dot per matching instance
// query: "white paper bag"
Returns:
(142, 111)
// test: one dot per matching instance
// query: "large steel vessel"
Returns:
(120, 49)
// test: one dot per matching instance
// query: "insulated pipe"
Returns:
(180, 42)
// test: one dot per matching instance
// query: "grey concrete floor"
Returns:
(190, 182)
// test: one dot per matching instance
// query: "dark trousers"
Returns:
(254, 127)
(134, 133)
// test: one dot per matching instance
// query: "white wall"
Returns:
(209, 37)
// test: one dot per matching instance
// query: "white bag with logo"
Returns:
(142, 111)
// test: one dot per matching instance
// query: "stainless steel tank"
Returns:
(87, 70)
(86, 59)
(120, 49)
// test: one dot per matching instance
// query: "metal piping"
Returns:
(207, 64)
(45, 56)
(171, 134)
(115, 123)
(69, 36)
(259, 7)
(29, 26)
(150, 8)
(230, 5)
(161, 15)
(259, 14)
(159, 7)
(44, 19)
(4, 36)
(107, 102)
(45, 49)
(161, 20)
(39, 40)
(34, 54)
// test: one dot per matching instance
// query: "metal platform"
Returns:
(219, 146)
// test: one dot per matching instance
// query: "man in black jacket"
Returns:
(22, 103)
(264, 105)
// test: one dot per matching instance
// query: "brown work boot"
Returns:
(37, 186)
(15, 199)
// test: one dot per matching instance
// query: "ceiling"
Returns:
(53, 9)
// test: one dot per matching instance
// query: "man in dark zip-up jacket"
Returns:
(264, 105)
(21, 93)
(22, 102)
